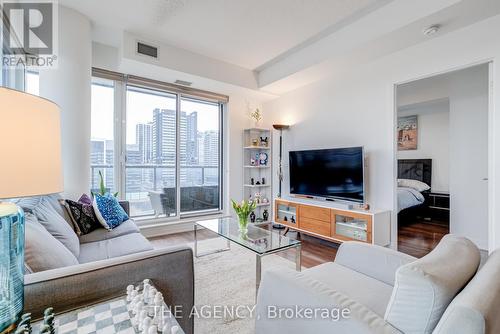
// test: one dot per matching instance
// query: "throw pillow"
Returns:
(108, 211)
(83, 216)
(53, 222)
(43, 251)
(85, 199)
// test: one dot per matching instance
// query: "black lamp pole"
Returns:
(280, 127)
(280, 171)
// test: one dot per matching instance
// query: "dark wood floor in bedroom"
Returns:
(416, 239)
(420, 237)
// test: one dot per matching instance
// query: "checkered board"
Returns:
(103, 318)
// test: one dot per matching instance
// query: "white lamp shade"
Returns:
(30, 139)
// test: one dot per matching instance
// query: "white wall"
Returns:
(433, 139)
(358, 108)
(69, 87)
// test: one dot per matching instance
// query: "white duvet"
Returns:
(408, 197)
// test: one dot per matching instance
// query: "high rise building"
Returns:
(164, 143)
(144, 141)
(192, 156)
(97, 151)
(102, 157)
(164, 136)
(211, 148)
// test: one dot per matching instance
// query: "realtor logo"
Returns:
(29, 32)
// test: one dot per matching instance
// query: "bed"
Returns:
(411, 203)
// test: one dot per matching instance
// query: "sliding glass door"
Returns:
(160, 150)
(151, 150)
(200, 139)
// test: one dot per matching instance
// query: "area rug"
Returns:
(227, 280)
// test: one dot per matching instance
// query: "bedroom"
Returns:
(442, 158)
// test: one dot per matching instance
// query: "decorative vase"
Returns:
(265, 215)
(243, 223)
(11, 265)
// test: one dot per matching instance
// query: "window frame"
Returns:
(121, 84)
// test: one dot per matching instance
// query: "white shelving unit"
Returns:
(256, 171)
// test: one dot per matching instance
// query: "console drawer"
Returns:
(315, 213)
(315, 226)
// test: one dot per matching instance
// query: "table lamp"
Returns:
(30, 141)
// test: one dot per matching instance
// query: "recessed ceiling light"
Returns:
(431, 30)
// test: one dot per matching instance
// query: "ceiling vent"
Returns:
(147, 50)
(183, 83)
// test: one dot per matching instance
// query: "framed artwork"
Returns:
(407, 133)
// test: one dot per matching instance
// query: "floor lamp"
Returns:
(280, 127)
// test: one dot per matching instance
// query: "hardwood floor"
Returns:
(416, 239)
(420, 237)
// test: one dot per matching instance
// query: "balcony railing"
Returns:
(151, 188)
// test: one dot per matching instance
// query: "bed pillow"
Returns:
(414, 184)
(83, 216)
(108, 211)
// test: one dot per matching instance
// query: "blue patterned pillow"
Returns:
(108, 211)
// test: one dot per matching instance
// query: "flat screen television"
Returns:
(335, 174)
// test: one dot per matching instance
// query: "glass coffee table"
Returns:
(259, 240)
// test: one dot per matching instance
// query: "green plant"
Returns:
(243, 209)
(102, 186)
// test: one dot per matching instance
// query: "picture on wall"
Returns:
(407, 133)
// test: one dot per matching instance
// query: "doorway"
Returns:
(442, 159)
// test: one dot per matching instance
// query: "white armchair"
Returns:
(378, 289)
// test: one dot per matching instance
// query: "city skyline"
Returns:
(155, 142)
(155, 146)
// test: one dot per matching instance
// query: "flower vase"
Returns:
(243, 223)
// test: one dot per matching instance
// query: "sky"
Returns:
(140, 108)
(32, 83)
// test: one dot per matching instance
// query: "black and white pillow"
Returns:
(83, 216)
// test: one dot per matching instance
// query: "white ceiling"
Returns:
(270, 46)
(247, 33)
(394, 27)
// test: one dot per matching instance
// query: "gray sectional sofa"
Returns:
(67, 271)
